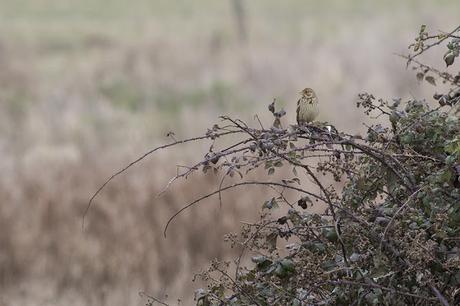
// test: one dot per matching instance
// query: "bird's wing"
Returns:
(298, 110)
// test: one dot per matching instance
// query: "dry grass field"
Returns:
(88, 85)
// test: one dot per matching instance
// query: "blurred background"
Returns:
(88, 85)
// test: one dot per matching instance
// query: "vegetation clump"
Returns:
(389, 232)
(353, 220)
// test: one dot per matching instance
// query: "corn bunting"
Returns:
(307, 106)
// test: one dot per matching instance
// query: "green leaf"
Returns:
(280, 271)
(449, 58)
(270, 204)
(330, 234)
(446, 176)
(317, 247)
(420, 76)
(328, 265)
(430, 80)
(450, 160)
(262, 262)
(284, 268)
(288, 265)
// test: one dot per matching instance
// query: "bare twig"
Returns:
(234, 186)
(440, 297)
(141, 158)
(396, 214)
(423, 50)
(142, 294)
(374, 285)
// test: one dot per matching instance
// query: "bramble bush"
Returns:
(354, 220)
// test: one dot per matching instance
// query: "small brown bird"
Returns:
(307, 106)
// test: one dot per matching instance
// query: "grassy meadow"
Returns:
(86, 86)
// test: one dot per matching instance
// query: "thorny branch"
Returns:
(124, 169)
(413, 160)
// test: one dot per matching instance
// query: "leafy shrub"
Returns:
(374, 220)
(389, 236)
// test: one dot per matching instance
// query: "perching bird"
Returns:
(307, 106)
